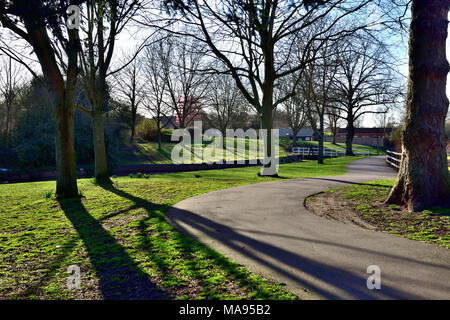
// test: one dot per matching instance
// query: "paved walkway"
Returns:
(267, 228)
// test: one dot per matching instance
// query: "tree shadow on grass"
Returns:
(188, 248)
(346, 281)
(54, 266)
(118, 274)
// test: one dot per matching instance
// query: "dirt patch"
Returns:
(331, 206)
(363, 206)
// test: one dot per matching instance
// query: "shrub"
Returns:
(147, 129)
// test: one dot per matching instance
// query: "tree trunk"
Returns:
(98, 132)
(349, 138)
(269, 168)
(267, 124)
(320, 138)
(423, 179)
(158, 124)
(133, 126)
(66, 175)
(295, 132)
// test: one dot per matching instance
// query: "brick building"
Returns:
(365, 136)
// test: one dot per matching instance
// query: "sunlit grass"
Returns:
(122, 229)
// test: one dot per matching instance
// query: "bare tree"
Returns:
(424, 179)
(130, 88)
(364, 81)
(318, 81)
(296, 109)
(155, 62)
(253, 39)
(186, 84)
(105, 19)
(334, 121)
(11, 78)
(224, 100)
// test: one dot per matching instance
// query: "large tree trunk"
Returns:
(101, 166)
(423, 179)
(64, 96)
(349, 138)
(66, 176)
(269, 168)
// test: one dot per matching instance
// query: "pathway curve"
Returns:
(266, 227)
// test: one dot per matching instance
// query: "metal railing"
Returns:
(393, 159)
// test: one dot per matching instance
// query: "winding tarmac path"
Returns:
(266, 227)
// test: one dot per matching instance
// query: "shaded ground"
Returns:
(362, 205)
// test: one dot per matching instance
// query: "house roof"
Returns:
(304, 132)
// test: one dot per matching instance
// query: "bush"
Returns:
(147, 129)
(166, 135)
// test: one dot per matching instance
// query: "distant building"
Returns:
(168, 122)
(365, 136)
(305, 134)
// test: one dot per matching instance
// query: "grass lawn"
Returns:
(373, 150)
(147, 152)
(365, 203)
(119, 238)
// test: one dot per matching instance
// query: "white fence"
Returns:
(393, 159)
(305, 151)
(361, 152)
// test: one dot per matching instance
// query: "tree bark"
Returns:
(423, 179)
(133, 126)
(158, 127)
(66, 175)
(267, 102)
(64, 97)
(98, 132)
(267, 124)
(320, 138)
(349, 138)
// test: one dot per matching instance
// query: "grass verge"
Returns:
(362, 204)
